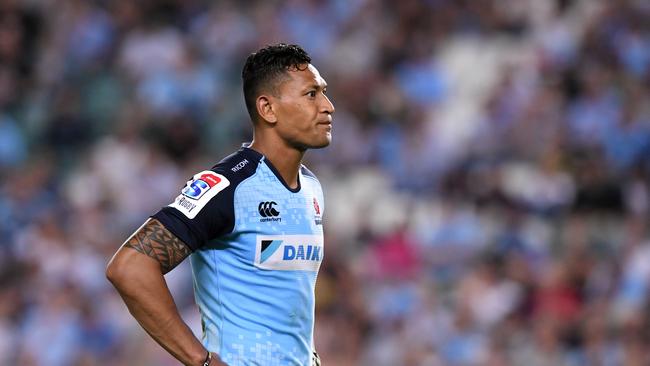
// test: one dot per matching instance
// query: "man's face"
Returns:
(303, 111)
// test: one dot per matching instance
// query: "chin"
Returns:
(323, 143)
(317, 143)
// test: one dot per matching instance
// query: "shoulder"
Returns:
(214, 188)
(238, 166)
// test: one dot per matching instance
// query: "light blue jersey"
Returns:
(258, 245)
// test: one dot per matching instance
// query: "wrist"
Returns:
(198, 358)
(208, 359)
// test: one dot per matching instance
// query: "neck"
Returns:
(283, 157)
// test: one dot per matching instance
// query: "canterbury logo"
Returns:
(266, 209)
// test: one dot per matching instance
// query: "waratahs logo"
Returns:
(199, 186)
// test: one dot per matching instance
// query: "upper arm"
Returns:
(202, 211)
(158, 243)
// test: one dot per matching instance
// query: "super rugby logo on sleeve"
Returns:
(199, 191)
(289, 252)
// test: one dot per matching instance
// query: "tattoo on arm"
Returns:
(154, 240)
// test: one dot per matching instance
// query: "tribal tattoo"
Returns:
(154, 240)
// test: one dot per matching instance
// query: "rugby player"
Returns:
(252, 228)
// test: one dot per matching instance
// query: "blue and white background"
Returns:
(487, 187)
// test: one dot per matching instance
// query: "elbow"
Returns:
(115, 271)
(129, 268)
(111, 272)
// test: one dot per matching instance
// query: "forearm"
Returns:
(137, 272)
(151, 304)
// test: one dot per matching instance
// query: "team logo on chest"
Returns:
(317, 216)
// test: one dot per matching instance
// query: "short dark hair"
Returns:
(264, 67)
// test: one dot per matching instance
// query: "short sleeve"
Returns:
(202, 211)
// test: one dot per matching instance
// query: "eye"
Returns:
(312, 94)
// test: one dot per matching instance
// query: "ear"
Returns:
(264, 106)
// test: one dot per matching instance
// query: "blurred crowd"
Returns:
(488, 184)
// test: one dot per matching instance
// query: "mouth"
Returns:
(327, 125)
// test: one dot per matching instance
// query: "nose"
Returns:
(327, 105)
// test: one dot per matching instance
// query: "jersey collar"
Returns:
(257, 156)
